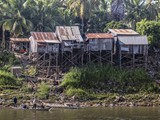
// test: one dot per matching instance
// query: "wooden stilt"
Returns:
(82, 60)
(89, 56)
(133, 61)
(57, 68)
(146, 60)
(111, 57)
(100, 56)
(120, 57)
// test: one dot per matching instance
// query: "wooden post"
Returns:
(37, 57)
(133, 57)
(146, 58)
(100, 56)
(57, 69)
(44, 58)
(50, 59)
(49, 64)
(62, 60)
(89, 56)
(120, 57)
(72, 60)
(133, 60)
(82, 53)
(111, 57)
(113, 50)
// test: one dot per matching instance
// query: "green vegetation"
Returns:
(115, 25)
(7, 59)
(43, 91)
(107, 79)
(77, 93)
(30, 71)
(19, 17)
(151, 29)
(8, 81)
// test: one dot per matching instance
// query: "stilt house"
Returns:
(45, 48)
(99, 41)
(100, 47)
(71, 46)
(20, 45)
(44, 42)
(70, 37)
(129, 42)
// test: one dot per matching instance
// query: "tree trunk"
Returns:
(117, 9)
(3, 39)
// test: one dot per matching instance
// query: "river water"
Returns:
(115, 113)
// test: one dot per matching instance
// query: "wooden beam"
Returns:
(120, 57)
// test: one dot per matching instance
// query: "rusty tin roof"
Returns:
(69, 33)
(127, 32)
(99, 35)
(47, 37)
(19, 40)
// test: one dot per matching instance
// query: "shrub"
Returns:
(88, 77)
(78, 93)
(97, 78)
(151, 29)
(151, 87)
(43, 91)
(6, 68)
(71, 78)
(7, 58)
(7, 79)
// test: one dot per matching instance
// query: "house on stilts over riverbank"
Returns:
(71, 46)
(131, 48)
(58, 51)
(45, 46)
(99, 47)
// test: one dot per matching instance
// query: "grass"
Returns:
(108, 79)
(7, 78)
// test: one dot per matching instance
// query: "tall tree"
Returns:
(136, 10)
(153, 10)
(12, 19)
(118, 9)
(40, 14)
(83, 8)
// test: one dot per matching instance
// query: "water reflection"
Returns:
(117, 113)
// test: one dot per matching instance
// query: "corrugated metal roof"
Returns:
(123, 32)
(79, 37)
(48, 37)
(133, 40)
(75, 30)
(99, 35)
(69, 33)
(19, 39)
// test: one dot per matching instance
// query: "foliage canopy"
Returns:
(151, 29)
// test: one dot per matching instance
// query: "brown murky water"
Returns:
(116, 113)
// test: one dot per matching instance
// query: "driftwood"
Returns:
(65, 106)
